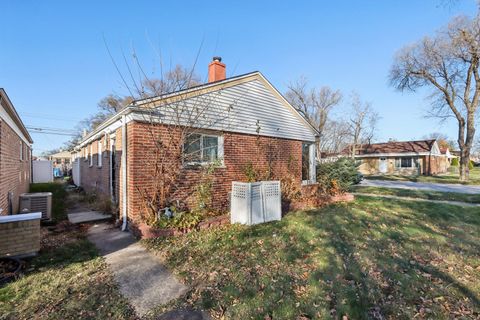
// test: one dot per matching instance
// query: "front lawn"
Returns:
(68, 280)
(374, 258)
(450, 177)
(421, 194)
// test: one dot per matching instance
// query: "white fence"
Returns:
(76, 172)
(42, 171)
(255, 202)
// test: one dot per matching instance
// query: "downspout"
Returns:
(110, 167)
(124, 172)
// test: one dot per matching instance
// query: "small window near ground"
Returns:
(201, 148)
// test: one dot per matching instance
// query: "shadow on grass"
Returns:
(67, 282)
(372, 259)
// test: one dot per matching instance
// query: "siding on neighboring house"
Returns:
(15, 157)
(428, 165)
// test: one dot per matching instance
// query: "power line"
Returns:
(55, 133)
(61, 130)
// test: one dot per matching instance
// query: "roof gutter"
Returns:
(92, 135)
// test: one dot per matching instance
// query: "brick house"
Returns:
(62, 160)
(249, 123)
(421, 157)
(15, 156)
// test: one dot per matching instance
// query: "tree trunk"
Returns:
(464, 161)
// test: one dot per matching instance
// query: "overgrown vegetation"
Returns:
(372, 259)
(99, 202)
(454, 162)
(174, 217)
(337, 177)
(68, 280)
(59, 195)
(421, 194)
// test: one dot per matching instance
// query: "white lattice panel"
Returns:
(256, 202)
(240, 203)
(272, 204)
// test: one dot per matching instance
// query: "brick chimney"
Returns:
(216, 70)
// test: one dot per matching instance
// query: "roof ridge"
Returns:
(197, 87)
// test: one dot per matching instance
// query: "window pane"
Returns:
(210, 148)
(305, 161)
(406, 162)
(398, 163)
(192, 148)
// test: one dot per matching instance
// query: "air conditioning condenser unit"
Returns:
(37, 202)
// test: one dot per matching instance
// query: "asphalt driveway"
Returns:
(441, 187)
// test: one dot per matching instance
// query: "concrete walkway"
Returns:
(455, 203)
(87, 216)
(142, 278)
(441, 187)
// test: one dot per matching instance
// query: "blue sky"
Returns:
(55, 68)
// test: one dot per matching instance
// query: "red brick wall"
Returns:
(437, 165)
(282, 155)
(95, 178)
(14, 173)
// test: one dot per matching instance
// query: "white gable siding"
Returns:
(249, 108)
(4, 116)
(435, 149)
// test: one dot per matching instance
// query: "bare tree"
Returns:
(174, 126)
(336, 136)
(442, 140)
(113, 103)
(362, 123)
(447, 62)
(314, 104)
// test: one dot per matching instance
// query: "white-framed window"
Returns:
(201, 148)
(406, 162)
(99, 154)
(309, 169)
(21, 151)
(90, 155)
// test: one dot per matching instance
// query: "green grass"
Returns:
(371, 259)
(450, 177)
(59, 196)
(67, 281)
(421, 194)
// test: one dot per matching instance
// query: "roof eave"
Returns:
(13, 113)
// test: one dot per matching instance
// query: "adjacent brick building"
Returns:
(15, 156)
(420, 157)
(243, 124)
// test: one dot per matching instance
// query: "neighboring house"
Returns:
(62, 161)
(15, 156)
(251, 124)
(422, 157)
(448, 155)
